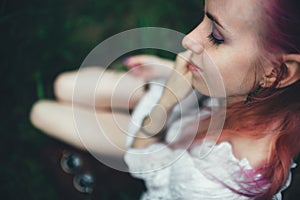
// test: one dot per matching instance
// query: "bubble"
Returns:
(84, 183)
(70, 162)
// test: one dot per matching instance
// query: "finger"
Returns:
(57, 120)
(179, 84)
(182, 60)
(138, 60)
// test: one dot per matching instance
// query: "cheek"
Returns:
(226, 76)
(210, 81)
(239, 77)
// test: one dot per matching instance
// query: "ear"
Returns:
(292, 63)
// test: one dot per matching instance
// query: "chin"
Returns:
(213, 90)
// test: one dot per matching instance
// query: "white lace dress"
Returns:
(206, 171)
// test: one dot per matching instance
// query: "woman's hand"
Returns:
(149, 66)
(177, 88)
(179, 84)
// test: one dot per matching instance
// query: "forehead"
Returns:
(234, 14)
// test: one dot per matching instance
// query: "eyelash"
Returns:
(214, 40)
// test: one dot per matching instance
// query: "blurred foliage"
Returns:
(40, 39)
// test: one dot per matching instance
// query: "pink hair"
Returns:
(282, 26)
(280, 34)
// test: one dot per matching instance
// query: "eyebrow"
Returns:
(213, 18)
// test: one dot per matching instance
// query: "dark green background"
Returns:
(40, 39)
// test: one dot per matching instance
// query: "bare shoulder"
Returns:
(257, 151)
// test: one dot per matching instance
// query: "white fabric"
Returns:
(174, 174)
(144, 107)
(184, 112)
(171, 174)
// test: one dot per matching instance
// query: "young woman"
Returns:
(254, 45)
(246, 52)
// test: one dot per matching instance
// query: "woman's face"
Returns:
(224, 49)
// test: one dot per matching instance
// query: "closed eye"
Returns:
(214, 39)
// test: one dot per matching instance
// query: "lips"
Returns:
(194, 68)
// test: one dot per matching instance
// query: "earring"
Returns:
(261, 84)
(251, 95)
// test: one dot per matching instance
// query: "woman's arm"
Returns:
(177, 88)
(152, 126)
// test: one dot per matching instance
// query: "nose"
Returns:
(189, 43)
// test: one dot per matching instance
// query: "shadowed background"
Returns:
(40, 39)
